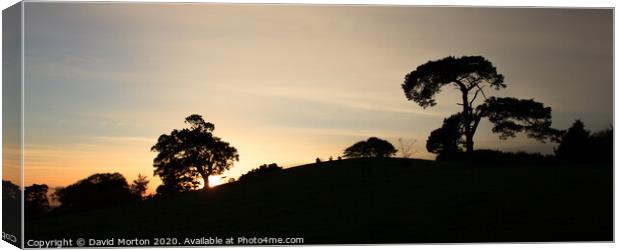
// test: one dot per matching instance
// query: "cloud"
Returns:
(283, 83)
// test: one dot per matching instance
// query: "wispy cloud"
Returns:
(282, 83)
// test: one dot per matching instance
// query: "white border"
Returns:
(509, 3)
(504, 3)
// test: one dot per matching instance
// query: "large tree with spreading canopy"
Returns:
(471, 75)
(185, 156)
(373, 147)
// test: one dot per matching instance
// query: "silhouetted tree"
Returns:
(175, 182)
(36, 202)
(574, 143)
(447, 141)
(96, 191)
(578, 145)
(318, 160)
(509, 116)
(373, 147)
(139, 186)
(469, 74)
(12, 209)
(263, 169)
(186, 155)
(10, 191)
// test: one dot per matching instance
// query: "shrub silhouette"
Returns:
(36, 202)
(487, 156)
(578, 145)
(96, 191)
(373, 147)
(184, 156)
(263, 169)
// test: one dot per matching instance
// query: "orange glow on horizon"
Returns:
(213, 181)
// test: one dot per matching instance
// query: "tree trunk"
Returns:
(469, 134)
(205, 178)
(469, 143)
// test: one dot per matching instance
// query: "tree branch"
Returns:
(474, 98)
(482, 91)
(461, 84)
(475, 126)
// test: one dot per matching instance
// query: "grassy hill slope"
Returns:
(372, 201)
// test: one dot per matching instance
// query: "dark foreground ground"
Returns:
(372, 201)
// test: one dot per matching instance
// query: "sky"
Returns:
(284, 84)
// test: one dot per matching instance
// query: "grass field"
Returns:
(360, 201)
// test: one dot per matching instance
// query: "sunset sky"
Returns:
(284, 83)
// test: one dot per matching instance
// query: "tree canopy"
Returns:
(10, 191)
(471, 75)
(574, 142)
(511, 116)
(448, 139)
(467, 74)
(185, 156)
(373, 147)
(138, 186)
(36, 202)
(98, 190)
(580, 145)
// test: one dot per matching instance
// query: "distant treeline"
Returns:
(576, 145)
(263, 169)
(96, 191)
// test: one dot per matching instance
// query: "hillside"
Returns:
(372, 201)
